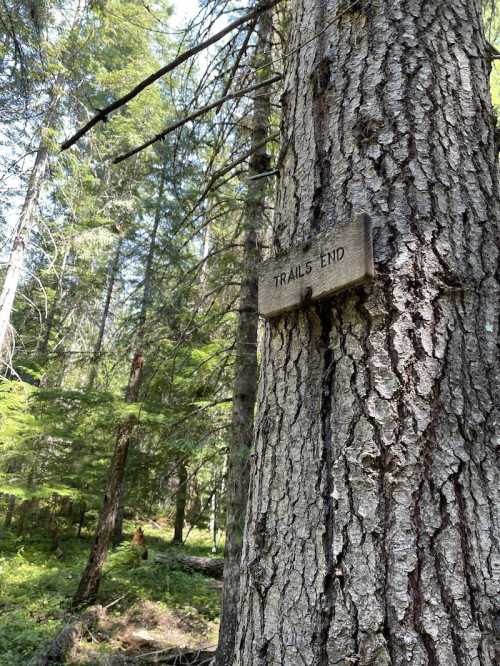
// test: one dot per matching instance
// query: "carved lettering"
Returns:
(335, 260)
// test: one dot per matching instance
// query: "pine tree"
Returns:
(370, 527)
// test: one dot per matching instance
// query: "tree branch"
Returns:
(103, 113)
(194, 115)
(238, 59)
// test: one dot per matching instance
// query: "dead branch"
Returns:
(222, 172)
(103, 114)
(196, 114)
(236, 65)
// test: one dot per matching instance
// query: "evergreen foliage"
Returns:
(145, 255)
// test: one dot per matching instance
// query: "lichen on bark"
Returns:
(372, 526)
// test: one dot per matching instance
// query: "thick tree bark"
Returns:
(180, 504)
(372, 515)
(245, 382)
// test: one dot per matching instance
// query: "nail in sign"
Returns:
(335, 260)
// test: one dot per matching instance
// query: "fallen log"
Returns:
(59, 649)
(169, 657)
(208, 566)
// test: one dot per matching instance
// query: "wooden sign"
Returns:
(336, 259)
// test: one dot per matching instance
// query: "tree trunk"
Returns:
(214, 509)
(16, 259)
(58, 296)
(89, 583)
(81, 519)
(113, 268)
(205, 252)
(24, 513)
(370, 528)
(245, 382)
(180, 504)
(49, 323)
(11, 504)
(118, 530)
(26, 220)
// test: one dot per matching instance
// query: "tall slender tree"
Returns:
(245, 367)
(110, 519)
(27, 218)
(371, 528)
(113, 269)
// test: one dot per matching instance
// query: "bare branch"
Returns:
(264, 174)
(102, 115)
(194, 115)
(238, 59)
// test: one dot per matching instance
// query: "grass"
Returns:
(36, 587)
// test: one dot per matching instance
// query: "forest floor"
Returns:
(154, 606)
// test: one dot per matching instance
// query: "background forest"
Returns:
(128, 270)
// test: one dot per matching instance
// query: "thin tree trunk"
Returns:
(26, 220)
(15, 264)
(114, 266)
(89, 583)
(118, 530)
(214, 506)
(11, 504)
(371, 521)
(44, 343)
(49, 323)
(81, 520)
(204, 257)
(91, 577)
(180, 504)
(245, 382)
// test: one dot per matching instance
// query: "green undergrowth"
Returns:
(36, 586)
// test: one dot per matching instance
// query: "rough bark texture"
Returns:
(245, 382)
(372, 516)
